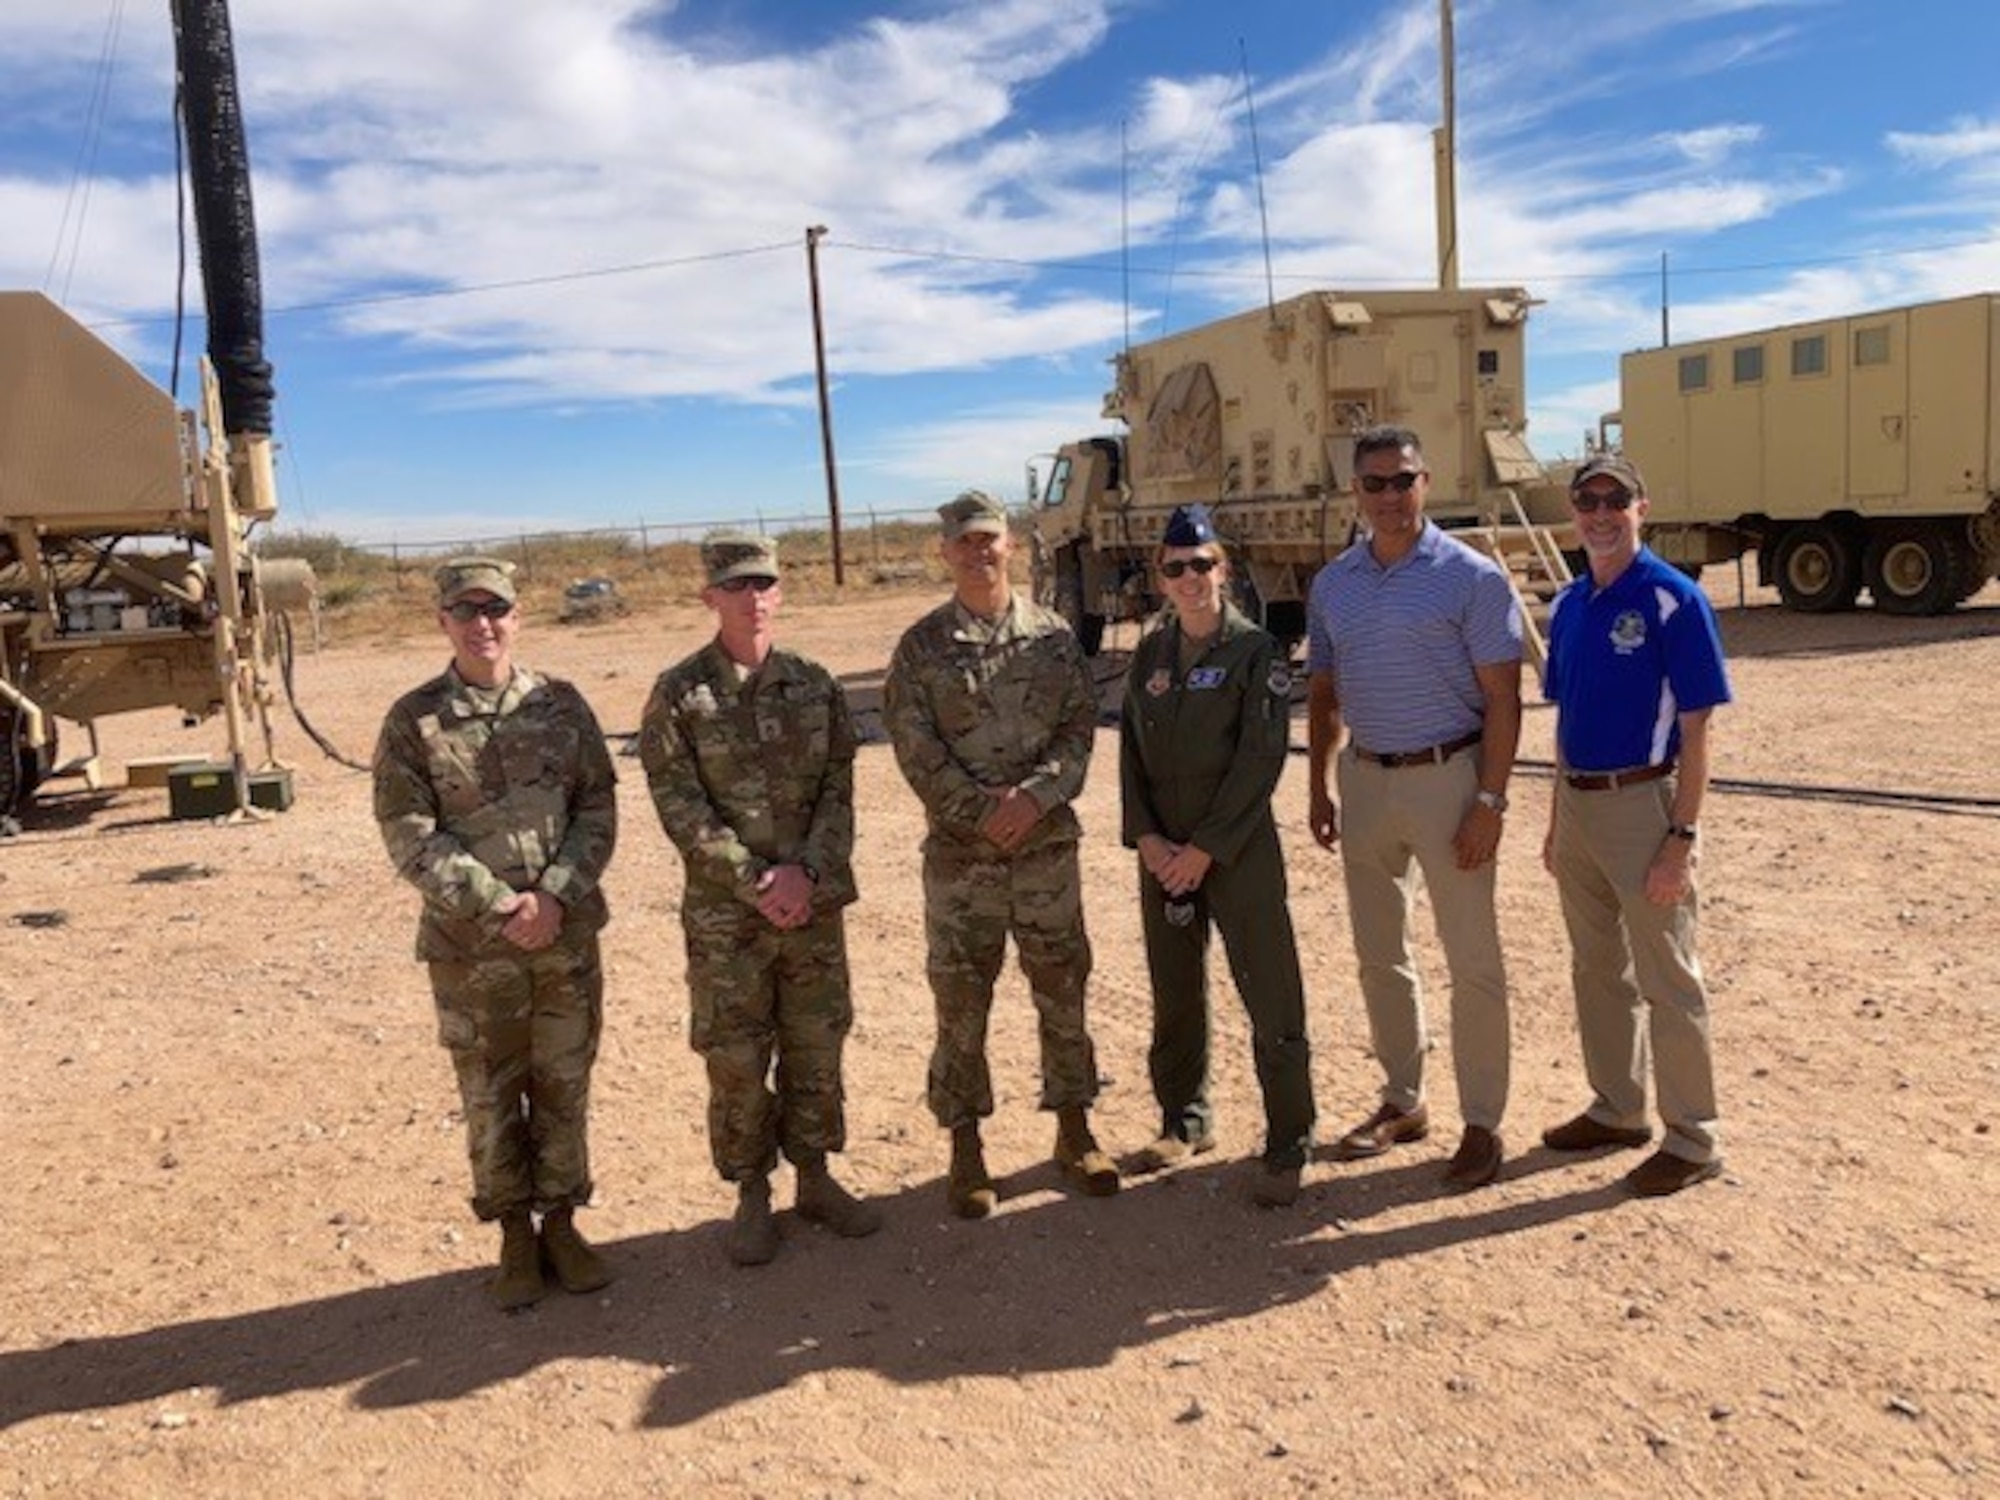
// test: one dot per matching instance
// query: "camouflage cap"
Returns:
(972, 510)
(471, 575)
(1611, 466)
(738, 554)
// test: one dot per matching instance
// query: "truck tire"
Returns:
(1915, 568)
(1071, 604)
(1817, 566)
(21, 769)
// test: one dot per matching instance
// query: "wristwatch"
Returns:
(1682, 831)
(1495, 800)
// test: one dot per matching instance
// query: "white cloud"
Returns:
(1711, 144)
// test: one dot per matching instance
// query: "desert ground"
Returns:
(240, 1262)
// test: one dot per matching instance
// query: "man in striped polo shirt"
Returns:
(1415, 652)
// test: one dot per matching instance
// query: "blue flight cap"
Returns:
(1188, 526)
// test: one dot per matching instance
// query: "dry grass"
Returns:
(368, 596)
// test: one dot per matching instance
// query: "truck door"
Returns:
(1878, 406)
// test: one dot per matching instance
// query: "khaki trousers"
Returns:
(1396, 821)
(1633, 963)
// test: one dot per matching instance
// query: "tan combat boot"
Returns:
(753, 1234)
(519, 1282)
(970, 1189)
(1079, 1155)
(821, 1200)
(577, 1267)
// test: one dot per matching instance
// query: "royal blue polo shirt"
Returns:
(1626, 661)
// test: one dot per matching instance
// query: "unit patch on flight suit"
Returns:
(1206, 677)
(1160, 683)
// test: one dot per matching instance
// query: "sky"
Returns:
(542, 264)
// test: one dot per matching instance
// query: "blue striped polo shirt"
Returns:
(1626, 661)
(1402, 642)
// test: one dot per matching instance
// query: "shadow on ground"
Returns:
(1050, 1283)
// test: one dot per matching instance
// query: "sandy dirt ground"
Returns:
(239, 1259)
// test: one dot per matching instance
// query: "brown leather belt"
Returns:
(1610, 781)
(1437, 755)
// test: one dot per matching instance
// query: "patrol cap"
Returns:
(1611, 466)
(738, 554)
(1189, 526)
(471, 575)
(972, 510)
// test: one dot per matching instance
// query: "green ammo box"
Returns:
(204, 789)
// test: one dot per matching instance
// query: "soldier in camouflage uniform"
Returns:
(749, 751)
(495, 794)
(991, 710)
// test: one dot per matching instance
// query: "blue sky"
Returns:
(604, 203)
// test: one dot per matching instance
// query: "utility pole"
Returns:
(814, 234)
(1444, 154)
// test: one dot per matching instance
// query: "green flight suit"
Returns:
(1200, 751)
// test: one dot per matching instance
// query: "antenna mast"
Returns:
(1257, 157)
(1444, 152)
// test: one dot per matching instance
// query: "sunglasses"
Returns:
(465, 611)
(748, 581)
(1203, 565)
(1586, 503)
(1401, 483)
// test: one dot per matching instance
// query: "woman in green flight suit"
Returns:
(1204, 736)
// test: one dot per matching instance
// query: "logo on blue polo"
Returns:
(1628, 632)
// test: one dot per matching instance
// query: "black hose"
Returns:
(285, 658)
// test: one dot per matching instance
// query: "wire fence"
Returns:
(866, 537)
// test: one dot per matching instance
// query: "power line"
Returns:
(442, 293)
(1072, 267)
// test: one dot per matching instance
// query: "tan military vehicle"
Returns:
(1255, 415)
(125, 578)
(1849, 453)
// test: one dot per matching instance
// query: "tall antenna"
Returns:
(1125, 230)
(1444, 152)
(1257, 157)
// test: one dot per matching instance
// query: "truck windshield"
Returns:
(1058, 484)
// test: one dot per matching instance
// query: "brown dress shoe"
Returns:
(1662, 1173)
(1478, 1159)
(1388, 1126)
(1586, 1133)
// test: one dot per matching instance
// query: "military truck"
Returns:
(126, 582)
(1255, 415)
(1850, 453)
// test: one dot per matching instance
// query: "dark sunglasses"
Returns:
(748, 581)
(1586, 502)
(1401, 483)
(465, 611)
(1203, 565)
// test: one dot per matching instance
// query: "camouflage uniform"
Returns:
(970, 704)
(748, 773)
(479, 794)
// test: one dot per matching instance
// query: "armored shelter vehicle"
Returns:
(1255, 415)
(1850, 453)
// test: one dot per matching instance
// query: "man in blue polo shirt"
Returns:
(1415, 649)
(1635, 669)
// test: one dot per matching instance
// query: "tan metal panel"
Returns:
(86, 441)
(1950, 402)
(1804, 459)
(1878, 411)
